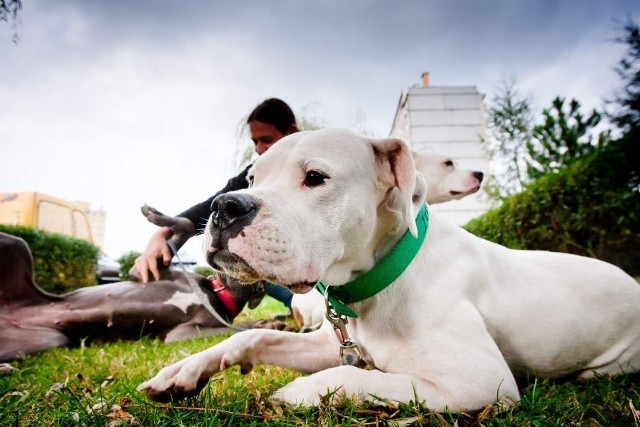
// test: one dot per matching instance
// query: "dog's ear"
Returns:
(395, 168)
(258, 291)
(254, 301)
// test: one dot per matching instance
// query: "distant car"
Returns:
(107, 270)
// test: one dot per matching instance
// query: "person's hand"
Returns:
(157, 249)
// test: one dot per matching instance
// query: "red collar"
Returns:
(225, 296)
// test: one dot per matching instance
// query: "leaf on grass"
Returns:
(54, 388)
(371, 413)
(441, 421)
(120, 417)
(409, 421)
(99, 406)
(484, 414)
(6, 368)
(106, 381)
(278, 410)
(634, 412)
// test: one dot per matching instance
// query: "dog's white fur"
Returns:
(308, 310)
(445, 182)
(453, 330)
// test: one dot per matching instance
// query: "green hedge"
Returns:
(591, 208)
(61, 263)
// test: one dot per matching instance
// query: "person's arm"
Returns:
(158, 249)
(199, 214)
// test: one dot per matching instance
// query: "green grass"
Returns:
(96, 386)
(268, 308)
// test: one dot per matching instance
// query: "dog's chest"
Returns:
(183, 300)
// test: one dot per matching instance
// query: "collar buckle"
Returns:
(350, 353)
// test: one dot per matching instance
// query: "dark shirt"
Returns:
(199, 214)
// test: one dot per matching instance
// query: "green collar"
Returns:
(382, 274)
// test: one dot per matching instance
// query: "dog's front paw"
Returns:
(297, 393)
(183, 379)
(169, 391)
(305, 391)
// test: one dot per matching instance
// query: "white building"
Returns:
(450, 120)
(98, 220)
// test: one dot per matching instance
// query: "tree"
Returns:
(628, 100)
(564, 136)
(9, 9)
(510, 121)
(309, 118)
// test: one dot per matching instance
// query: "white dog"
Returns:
(450, 327)
(445, 182)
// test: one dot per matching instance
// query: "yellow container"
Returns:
(43, 212)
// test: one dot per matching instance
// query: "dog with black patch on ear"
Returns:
(32, 320)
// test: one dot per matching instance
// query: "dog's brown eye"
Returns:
(448, 163)
(250, 179)
(314, 179)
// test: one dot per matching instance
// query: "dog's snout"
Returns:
(478, 175)
(228, 209)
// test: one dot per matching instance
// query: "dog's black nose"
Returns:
(478, 175)
(229, 209)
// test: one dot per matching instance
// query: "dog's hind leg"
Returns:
(623, 358)
(386, 388)
(182, 228)
(21, 341)
(17, 286)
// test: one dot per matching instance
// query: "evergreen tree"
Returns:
(9, 9)
(564, 136)
(628, 100)
(510, 121)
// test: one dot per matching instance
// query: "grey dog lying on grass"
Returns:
(32, 320)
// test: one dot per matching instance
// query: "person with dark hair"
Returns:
(268, 122)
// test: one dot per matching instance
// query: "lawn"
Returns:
(95, 385)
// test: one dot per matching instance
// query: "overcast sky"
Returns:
(120, 103)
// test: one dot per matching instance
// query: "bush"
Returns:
(126, 263)
(61, 263)
(591, 208)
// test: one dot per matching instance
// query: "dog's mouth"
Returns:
(302, 287)
(236, 267)
(232, 265)
(464, 193)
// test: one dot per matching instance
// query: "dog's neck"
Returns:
(225, 297)
(391, 228)
(383, 274)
